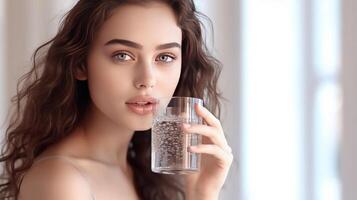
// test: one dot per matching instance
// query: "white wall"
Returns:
(349, 81)
(29, 24)
(3, 98)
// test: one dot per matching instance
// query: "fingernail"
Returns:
(191, 148)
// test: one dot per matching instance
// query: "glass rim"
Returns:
(182, 97)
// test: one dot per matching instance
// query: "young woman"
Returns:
(73, 136)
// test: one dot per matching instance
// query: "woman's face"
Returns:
(136, 52)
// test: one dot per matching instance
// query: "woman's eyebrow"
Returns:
(139, 46)
(168, 45)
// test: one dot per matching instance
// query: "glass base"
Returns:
(164, 170)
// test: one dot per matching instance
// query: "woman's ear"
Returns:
(80, 73)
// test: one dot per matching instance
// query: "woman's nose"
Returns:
(146, 77)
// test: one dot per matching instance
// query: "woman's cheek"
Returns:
(169, 81)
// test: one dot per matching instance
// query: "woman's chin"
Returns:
(143, 129)
(143, 126)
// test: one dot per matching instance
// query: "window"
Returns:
(290, 99)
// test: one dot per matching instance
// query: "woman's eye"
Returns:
(122, 57)
(166, 58)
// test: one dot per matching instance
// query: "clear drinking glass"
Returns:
(169, 145)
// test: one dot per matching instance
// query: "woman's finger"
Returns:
(213, 150)
(208, 131)
(208, 116)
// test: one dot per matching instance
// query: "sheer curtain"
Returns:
(291, 99)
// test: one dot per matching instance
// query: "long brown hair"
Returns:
(50, 101)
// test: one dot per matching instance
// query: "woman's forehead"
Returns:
(152, 24)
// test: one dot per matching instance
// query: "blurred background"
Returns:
(289, 75)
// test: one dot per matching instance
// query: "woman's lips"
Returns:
(141, 109)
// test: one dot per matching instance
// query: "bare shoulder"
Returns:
(54, 179)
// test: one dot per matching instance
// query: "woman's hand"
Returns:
(216, 158)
